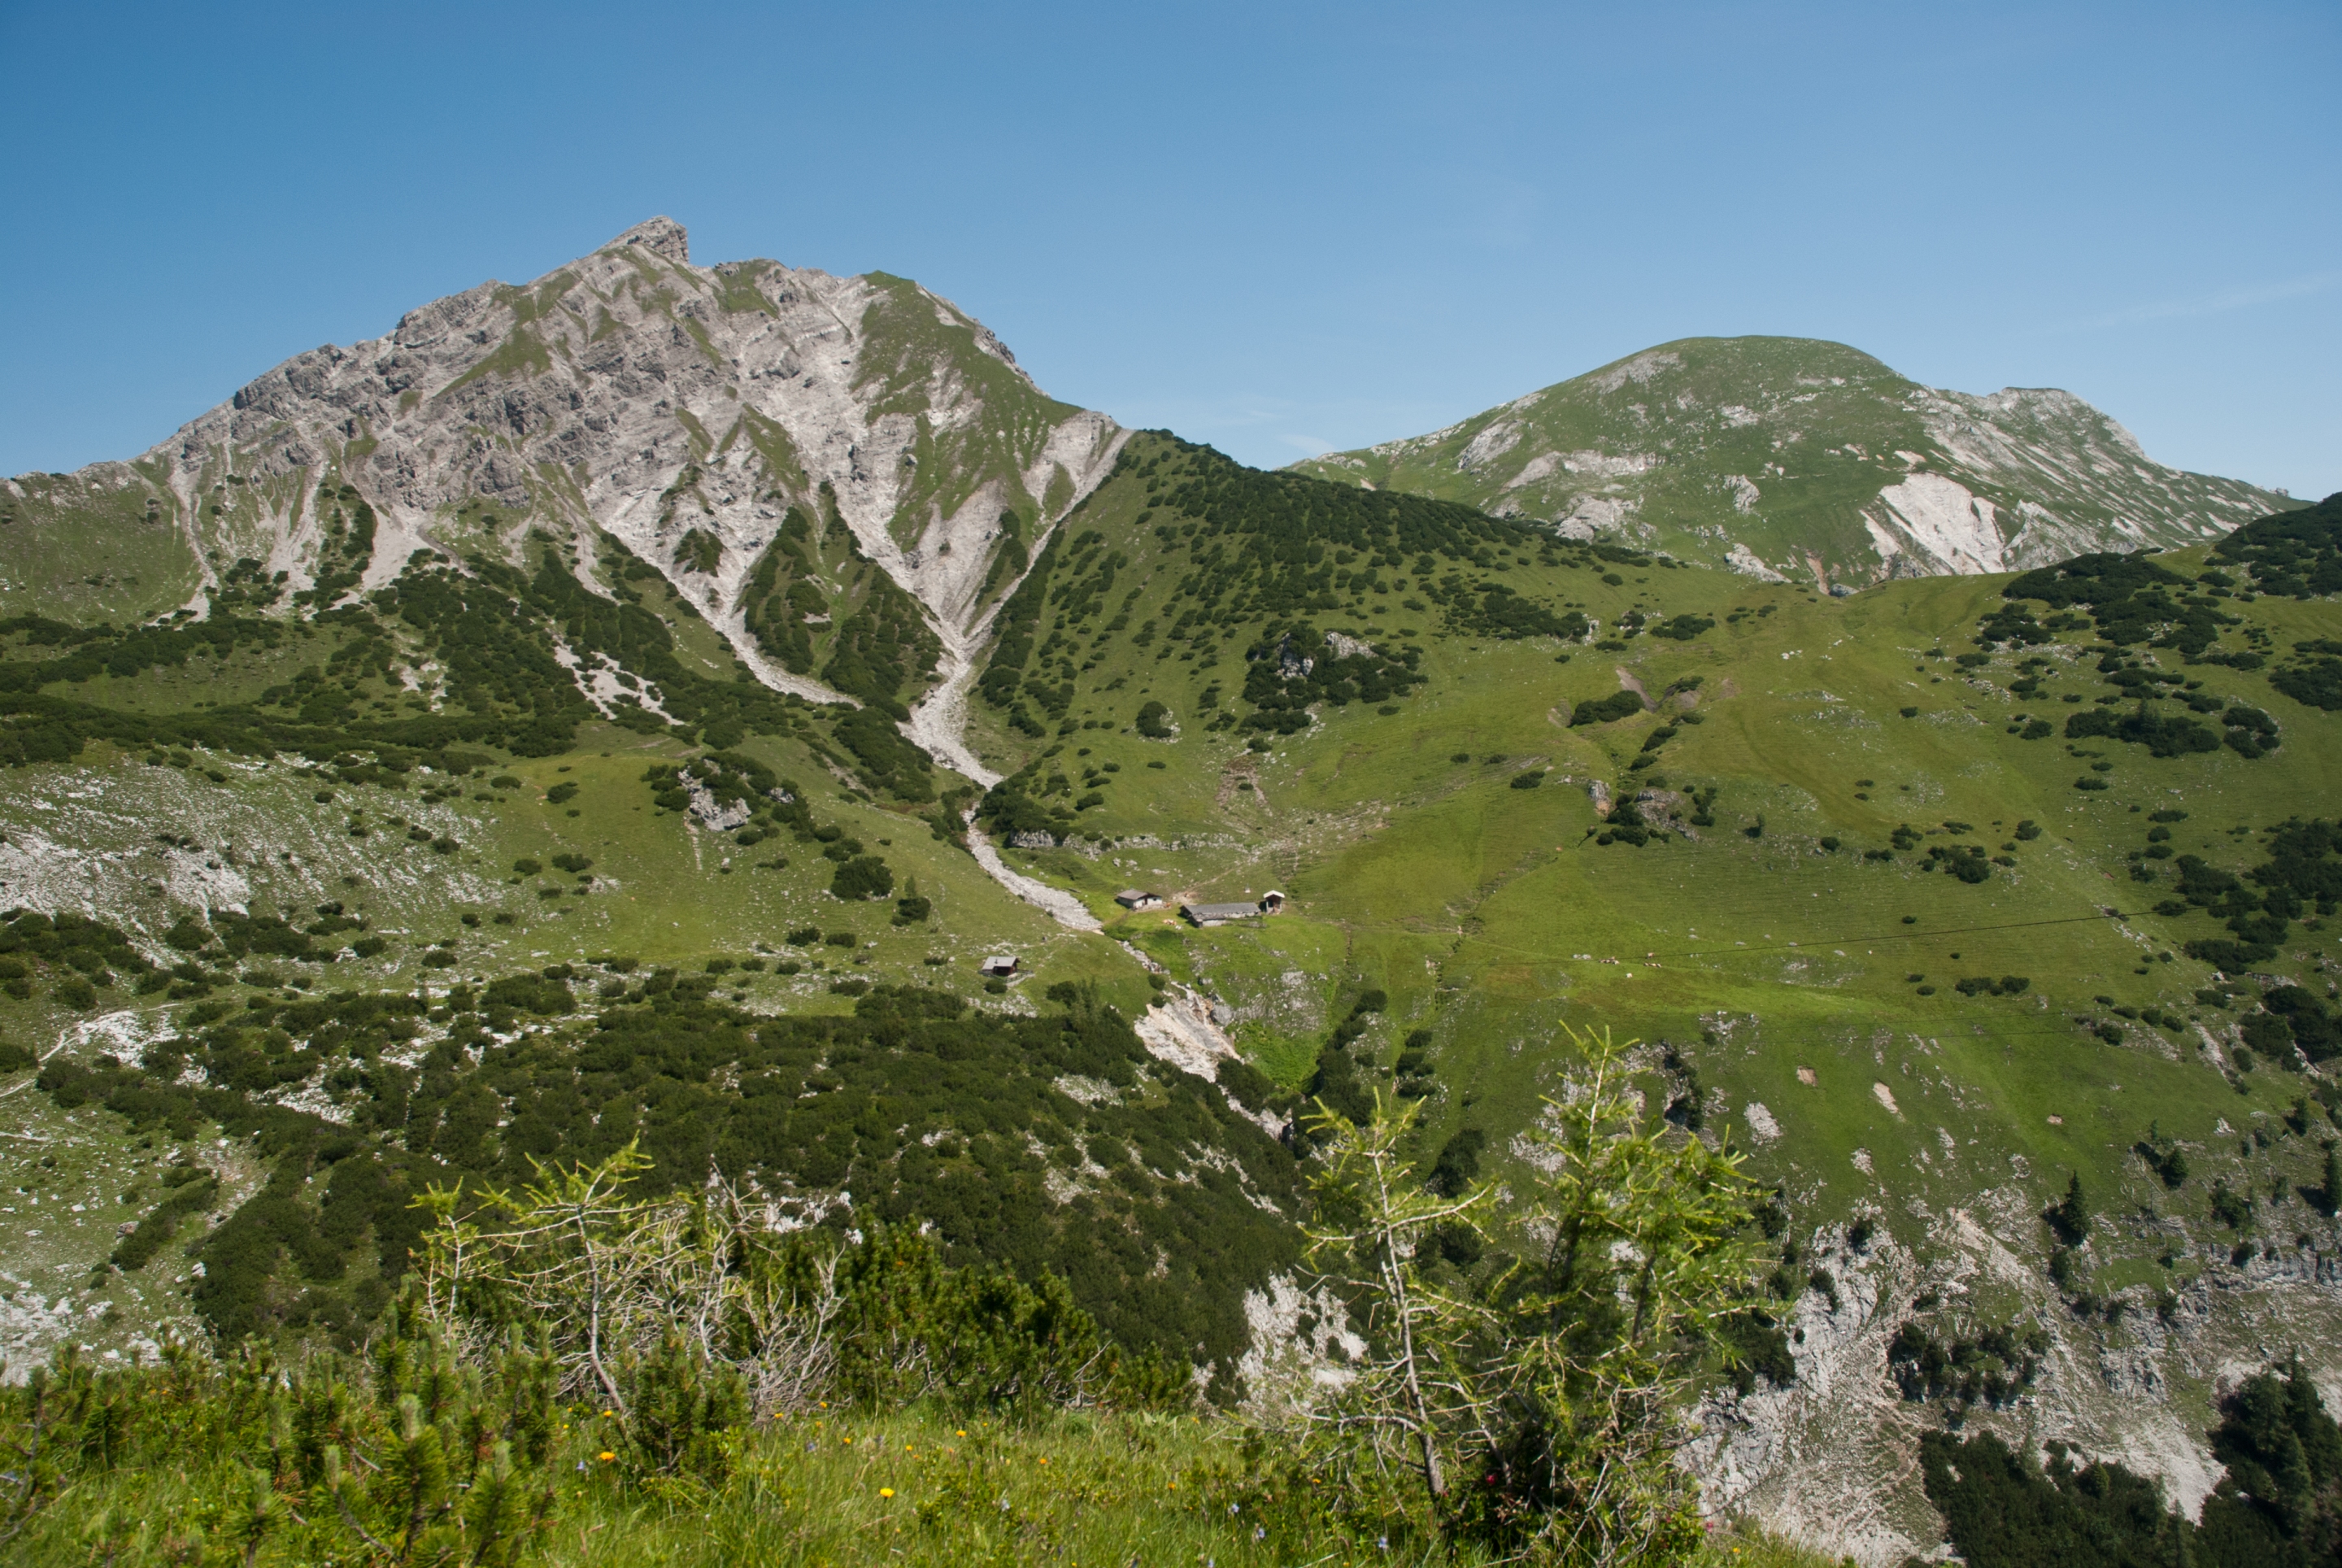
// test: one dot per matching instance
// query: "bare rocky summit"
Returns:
(684, 409)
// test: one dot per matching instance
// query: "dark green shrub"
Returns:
(1608, 709)
(862, 876)
(679, 1410)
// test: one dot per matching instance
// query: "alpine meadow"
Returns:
(669, 917)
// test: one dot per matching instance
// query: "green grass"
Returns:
(844, 1489)
(1470, 902)
(662, 889)
(663, 892)
(63, 1176)
(904, 337)
(85, 547)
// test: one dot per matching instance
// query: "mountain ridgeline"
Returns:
(1789, 457)
(682, 410)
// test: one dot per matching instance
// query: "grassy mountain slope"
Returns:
(1809, 460)
(1801, 957)
(502, 827)
(335, 899)
(1366, 701)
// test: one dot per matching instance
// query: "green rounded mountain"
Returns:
(1789, 457)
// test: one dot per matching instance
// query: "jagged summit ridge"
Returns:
(661, 236)
(633, 392)
(1793, 457)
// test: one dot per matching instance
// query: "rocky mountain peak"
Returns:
(687, 412)
(661, 236)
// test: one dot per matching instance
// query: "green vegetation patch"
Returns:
(2298, 554)
(1044, 1144)
(2128, 596)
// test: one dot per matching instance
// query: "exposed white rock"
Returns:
(1940, 523)
(1490, 445)
(719, 816)
(1186, 1031)
(1540, 467)
(1593, 515)
(1290, 1364)
(1744, 560)
(1826, 1460)
(1056, 903)
(1641, 369)
(1628, 448)
(1609, 465)
(633, 391)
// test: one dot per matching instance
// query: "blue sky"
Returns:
(1274, 228)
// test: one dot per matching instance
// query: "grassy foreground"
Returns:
(915, 1486)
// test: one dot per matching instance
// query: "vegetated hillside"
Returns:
(1157, 1201)
(684, 411)
(1939, 898)
(323, 844)
(1504, 780)
(1811, 461)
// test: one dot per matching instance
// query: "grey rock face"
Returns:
(632, 392)
(662, 237)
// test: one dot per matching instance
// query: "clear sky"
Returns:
(1276, 228)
